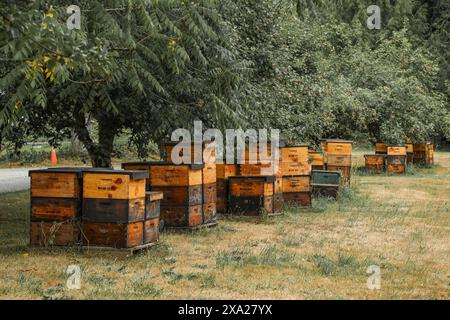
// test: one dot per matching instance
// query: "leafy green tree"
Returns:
(146, 66)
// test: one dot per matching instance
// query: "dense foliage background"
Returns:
(311, 68)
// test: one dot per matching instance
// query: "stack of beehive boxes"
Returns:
(326, 183)
(56, 202)
(258, 169)
(296, 175)
(338, 154)
(396, 159)
(317, 160)
(375, 163)
(182, 204)
(204, 153)
(190, 189)
(251, 195)
(114, 208)
(423, 153)
(410, 153)
(93, 207)
(224, 172)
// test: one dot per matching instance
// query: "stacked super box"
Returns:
(189, 192)
(224, 172)
(114, 208)
(339, 157)
(326, 183)
(316, 159)
(375, 163)
(296, 171)
(423, 153)
(259, 164)
(152, 217)
(396, 159)
(410, 153)
(203, 153)
(56, 199)
(251, 196)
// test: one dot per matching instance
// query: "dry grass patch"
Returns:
(401, 224)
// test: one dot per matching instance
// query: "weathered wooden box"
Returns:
(54, 233)
(151, 231)
(113, 235)
(204, 152)
(396, 164)
(180, 196)
(113, 210)
(182, 216)
(114, 184)
(153, 205)
(302, 199)
(375, 163)
(294, 184)
(326, 178)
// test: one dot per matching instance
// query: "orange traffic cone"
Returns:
(53, 158)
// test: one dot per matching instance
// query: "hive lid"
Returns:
(134, 175)
(154, 196)
(248, 178)
(76, 170)
(194, 166)
(295, 146)
(337, 141)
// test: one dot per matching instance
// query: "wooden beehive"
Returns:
(325, 178)
(375, 163)
(110, 184)
(153, 204)
(424, 153)
(180, 196)
(396, 151)
(396, 164)
(325, 183)
(301, 199)
(167, 174)
(114, 210)
(152, 217)
(298, 154)
(410, 153)
(339, 147)
(182, 216)
(339, 160)
(56, 183)
(224, 171)
(381, 148)
(346, 172)
(151, 231)
(295, 184)
(297, 190)
(45, 234)
(204, 152)
(316, 160)
(252, 195)
(113, 235)
(55, 211)
(260, 169)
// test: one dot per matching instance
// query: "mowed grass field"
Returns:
(400, 223)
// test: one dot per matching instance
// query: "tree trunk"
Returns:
(100, 153)
(101, 158)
